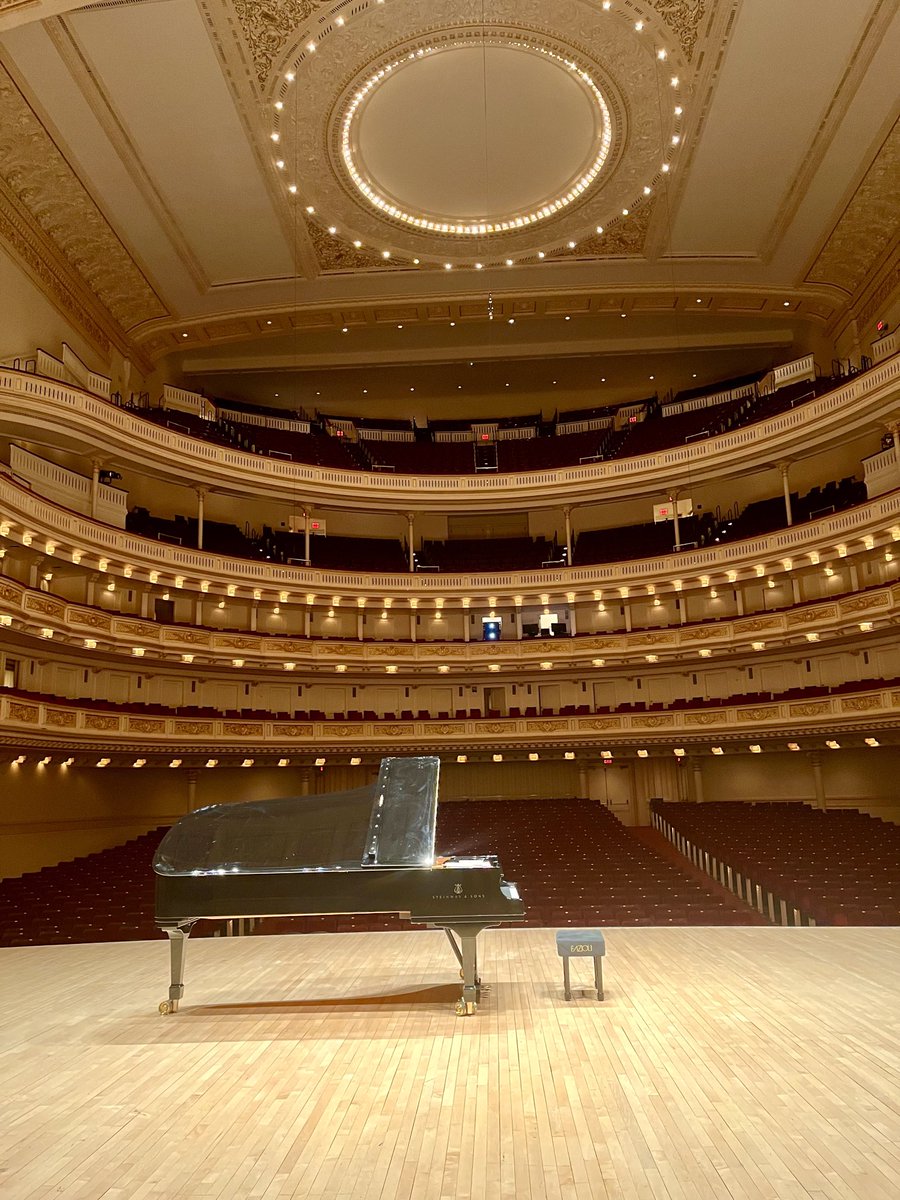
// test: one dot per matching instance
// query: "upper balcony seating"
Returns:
(546, 451)
(840, 867)
(463, 555)
(342, 553)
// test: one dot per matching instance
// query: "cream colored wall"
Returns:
(32, 321)
(49, 814)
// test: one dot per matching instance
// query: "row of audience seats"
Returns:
(840, 867)
(575, 864)
(460, 714)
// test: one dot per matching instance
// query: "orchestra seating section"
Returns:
(649, 429)
(574, 862)
(838, 867)
(150, 709)
(102, 897)
(458, 555)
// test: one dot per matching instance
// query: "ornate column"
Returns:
(410, 538)
(201, 497)
(785, 483)
(567, 511)
(413, 605)
(573, 630)
(95, 486)
(673, 500)
(306, 536)
(467, 630)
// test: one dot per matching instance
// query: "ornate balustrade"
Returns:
(23, 515)
(67, 727)
(49, 617)
(33, 406)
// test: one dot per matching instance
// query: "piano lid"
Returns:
(390, 823)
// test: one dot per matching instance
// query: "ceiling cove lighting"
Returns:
(422, 221)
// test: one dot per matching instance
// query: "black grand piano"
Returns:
(370, 850)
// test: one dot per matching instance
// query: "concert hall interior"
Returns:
(511, 384)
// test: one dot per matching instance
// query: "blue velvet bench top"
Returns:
(581, 943)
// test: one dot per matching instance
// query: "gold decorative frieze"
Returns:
(23, 712)
(193, 637)
(547, 726)
(46, 605)
(138, 629)
(684, 18)
(489, 727)
(293, 730)
(811, 708)
(90, 618)
(656, 721)
(702, 718)
(193, 728)
(866, 602)
(60, 718)
(756, 624)
(242, 729)
(806, 616)
(101, 722)
(860, 703)
(407, 730)
(37, 173)
(764, 712)
(146, 725)
(600, 723)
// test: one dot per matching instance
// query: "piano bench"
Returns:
(581, 943)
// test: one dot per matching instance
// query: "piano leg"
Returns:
(466, 952)
(178, 936)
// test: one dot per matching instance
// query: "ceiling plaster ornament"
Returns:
(37, 173)
(867, 225)
(624, 239)
(335, 254)
(268, 26)
(309, 125)
(683, 17)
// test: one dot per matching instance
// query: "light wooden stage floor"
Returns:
(728, 1062)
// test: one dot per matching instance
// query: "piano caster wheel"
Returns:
(166, 1007)
(465, 1008)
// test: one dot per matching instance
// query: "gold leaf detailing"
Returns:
(43, 604)
(765, 713)
(867, 225)
(23, 712)
(683, 17)
(45, 184)
(146, 725)
(811, 709)
(193, 727)
(85, 616)
(95, 721)
(60, 718)
(861, 703)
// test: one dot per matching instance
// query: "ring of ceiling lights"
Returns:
(635, 70)
(571, 190)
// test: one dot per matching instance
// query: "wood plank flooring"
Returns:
(733, 1063)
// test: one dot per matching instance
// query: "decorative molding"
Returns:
(37, 173)
(268, 27)
(683, 17)
(867, 225)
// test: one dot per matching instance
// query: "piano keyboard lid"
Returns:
(390, 823)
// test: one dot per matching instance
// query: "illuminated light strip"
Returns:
(474, 229)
